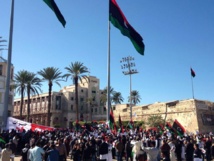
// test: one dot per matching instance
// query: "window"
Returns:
(72, 107)
(93, 91)
(1, 68)
(104, 108)
(81, 108)
(81, 99)
(72, 98)
(95, 109)
(58, 102)
(92, 110)
(94, 99)
(82, 90)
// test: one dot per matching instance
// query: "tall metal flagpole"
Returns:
(192, 88)
(7, 90)
(108, 72)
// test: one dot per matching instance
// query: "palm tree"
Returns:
(33, 85)
(77, 72)
(52, 75)
(117, 98)
(104, 94)
(135, 97)
(20, 80)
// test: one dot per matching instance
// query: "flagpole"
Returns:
(192, 88)
(108, 72)
(7, 90)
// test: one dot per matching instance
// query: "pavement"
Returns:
(18, 158)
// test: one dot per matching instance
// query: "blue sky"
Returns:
(177, 35)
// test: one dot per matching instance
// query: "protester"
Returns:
(24, 152)
(53, 154)
(6, 153)
(197, 153)
(103, 150)
(36, 152)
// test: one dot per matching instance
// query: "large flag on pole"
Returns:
(192, 72)
(111, 120)
(178, 127)
(120, 124)
(119, 20)
(56, 10)
(169, 127)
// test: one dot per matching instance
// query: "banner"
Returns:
(37, 127)
(16, 124)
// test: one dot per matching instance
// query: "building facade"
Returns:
(195, 115)
(63, 110)
(3, 78)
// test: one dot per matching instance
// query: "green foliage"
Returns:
(136, 123)
(155, 120)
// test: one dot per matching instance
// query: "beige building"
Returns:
(194, 115)
(3, 75)
(63, 110)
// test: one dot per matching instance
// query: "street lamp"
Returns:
(128, 65)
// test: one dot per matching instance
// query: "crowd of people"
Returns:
(103, 145)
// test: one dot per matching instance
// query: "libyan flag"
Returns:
(56, 10)
(192, 72)
(119, 20)
(111, 119)
(179, 128)
(131, 124)
(120, 123)
(169, 127)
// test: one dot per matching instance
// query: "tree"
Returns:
(155, 120)
(20, 80)
(77, 72)
(135, 97)
(52, 75)
(103, 98)
(33, 87)
(117, 98)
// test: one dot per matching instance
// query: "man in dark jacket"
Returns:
(103, 150)
(189, 150)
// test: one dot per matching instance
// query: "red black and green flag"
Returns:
(178, 128)
(120, 123)
(169, 127)
(131, 124)
(56, 10)
(119, 20)
(160, 129)
(111, 120)
(192, 72)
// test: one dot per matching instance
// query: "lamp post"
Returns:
(128, 65)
